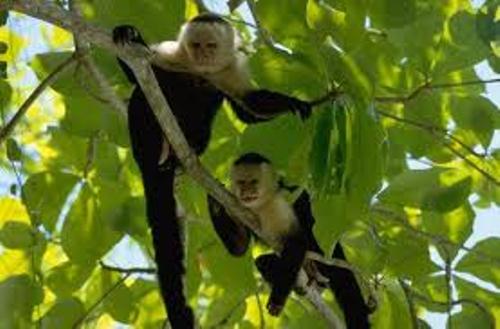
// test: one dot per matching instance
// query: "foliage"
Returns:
(398, 166)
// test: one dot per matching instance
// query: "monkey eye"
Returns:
(212, 45)
(196, 45)
(253, 182)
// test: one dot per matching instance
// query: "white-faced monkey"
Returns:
(214, 69)
(288, 229)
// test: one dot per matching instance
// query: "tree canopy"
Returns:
(398, 164)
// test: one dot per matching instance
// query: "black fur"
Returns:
(194, 102)
(281, 271)
(209, 18)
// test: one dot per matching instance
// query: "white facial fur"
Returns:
(210, 46)
(253, 184)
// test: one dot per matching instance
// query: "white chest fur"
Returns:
(277, 220)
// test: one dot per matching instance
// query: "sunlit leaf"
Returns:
(68, 277)
(478, 114)
(480, 266)
(45, 195)
(86, 234)
(63, 314)
(433, 189)
(392, 310)
(18, 297)
(393, 13)
(14, 152)
(16, 235)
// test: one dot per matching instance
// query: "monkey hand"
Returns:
(302, 108)
(274, 309)
(127, 34)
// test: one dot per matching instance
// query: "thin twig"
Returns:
(461, 301)
(411, 305)
(429, 86)
(433, 130)
(437, 239)
(47, 82)
(91, 152)
(262, 321)
(131, 270)
(91, 309)
(263, 33)
(448, 277)
(483, 172)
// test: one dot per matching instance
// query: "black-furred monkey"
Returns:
(288, 229)
(214, 69)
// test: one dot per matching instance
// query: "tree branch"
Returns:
(47, 82)
(136, 59)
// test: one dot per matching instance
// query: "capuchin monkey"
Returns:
(195, 73)
(288, 229)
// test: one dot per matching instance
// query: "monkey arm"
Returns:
(234, 235)
(285, 273)
(263, 105)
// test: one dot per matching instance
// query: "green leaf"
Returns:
(3, 48)
(14, 152)
(224, 268)
(433, 189)
(63, 314)
(392, 310)
(478, 114)
(45, 194)
(85, 116)
(434, 288)
(479, 266)
(159, 20)
(484, 297)
(288, 133)
(418, 40)
(5, 95)
(363, 250)
(294, 16)
(226, 307)
(18, 297)
(456, 225)
(4, 14)
(16, 235)
(3, 70)
(407, 255)
(86, 234)
(320, 151)
(465, 47)
(121, 305)
(392, 13)
(471, 317)
(67, 278)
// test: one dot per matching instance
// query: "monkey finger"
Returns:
(274, 309)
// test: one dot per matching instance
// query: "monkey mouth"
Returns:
(248, 199)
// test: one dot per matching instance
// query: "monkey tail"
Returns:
(167, 243)
(347, 292)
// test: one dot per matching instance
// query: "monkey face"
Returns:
(253, 184)
(209, 46)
